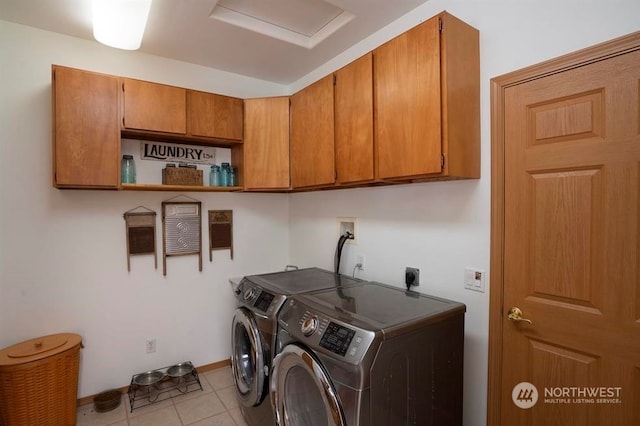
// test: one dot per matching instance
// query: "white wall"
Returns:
(444, 227)
(62, 252)
(62, 255)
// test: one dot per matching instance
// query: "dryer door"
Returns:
(248, 359)
(301, 392)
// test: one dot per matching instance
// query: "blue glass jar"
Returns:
(127, 169)
(214, 175)
(225, 171)
(233, 176)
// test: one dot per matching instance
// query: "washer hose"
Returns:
(343, 239)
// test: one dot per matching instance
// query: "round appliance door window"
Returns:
(303, 403)
(301, 391)
(247, 358)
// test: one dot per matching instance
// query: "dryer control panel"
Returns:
(258, 299)
(324, 333)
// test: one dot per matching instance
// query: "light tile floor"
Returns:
(215, 405)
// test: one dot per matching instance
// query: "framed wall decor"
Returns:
(220, 231)
(140, 225)
(181, 230)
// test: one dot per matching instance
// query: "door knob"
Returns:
(515, 315)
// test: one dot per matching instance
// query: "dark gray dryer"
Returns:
(260, 298)
(368, 355)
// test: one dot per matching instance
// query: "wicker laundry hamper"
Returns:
(39, 381)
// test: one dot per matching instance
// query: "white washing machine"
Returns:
(260, 298)
(368, 355)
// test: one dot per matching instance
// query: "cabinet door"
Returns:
(312, 136)
(266, 143)
(86, 129)
(460, 75)
(408, 106)
(215, 116)
(354, 121)
(154, 107)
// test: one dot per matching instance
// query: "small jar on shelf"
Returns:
(233, 176)
(127, 169)
(225, 171)
(214, 175)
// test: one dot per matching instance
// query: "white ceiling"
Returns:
(274, 40)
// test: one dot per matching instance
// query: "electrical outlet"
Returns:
(348, 224)
(360, 262)
(474, 279)
(412, 277)
(150, 345)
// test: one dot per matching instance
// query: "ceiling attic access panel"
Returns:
(305, 23)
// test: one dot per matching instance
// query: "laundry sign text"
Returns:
(161, 151)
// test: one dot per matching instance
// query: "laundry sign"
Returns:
(172, 152)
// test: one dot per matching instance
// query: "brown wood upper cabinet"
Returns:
(427, 102)
(86, 130)
(214, 116)
(353, 102)
(154, 107)
(312, 135)
(266, 143)
(92, 111)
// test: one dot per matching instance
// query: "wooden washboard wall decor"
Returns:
(140, 226)
(220, 231)
(181, 229)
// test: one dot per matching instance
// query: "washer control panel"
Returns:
(337, 338)
(309, 325)
(326, 334)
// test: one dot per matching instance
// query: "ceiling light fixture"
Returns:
(120, 23)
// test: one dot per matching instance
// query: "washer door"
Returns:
(301, 392)
(248, 359)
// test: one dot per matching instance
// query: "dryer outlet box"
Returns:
(412, 277)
